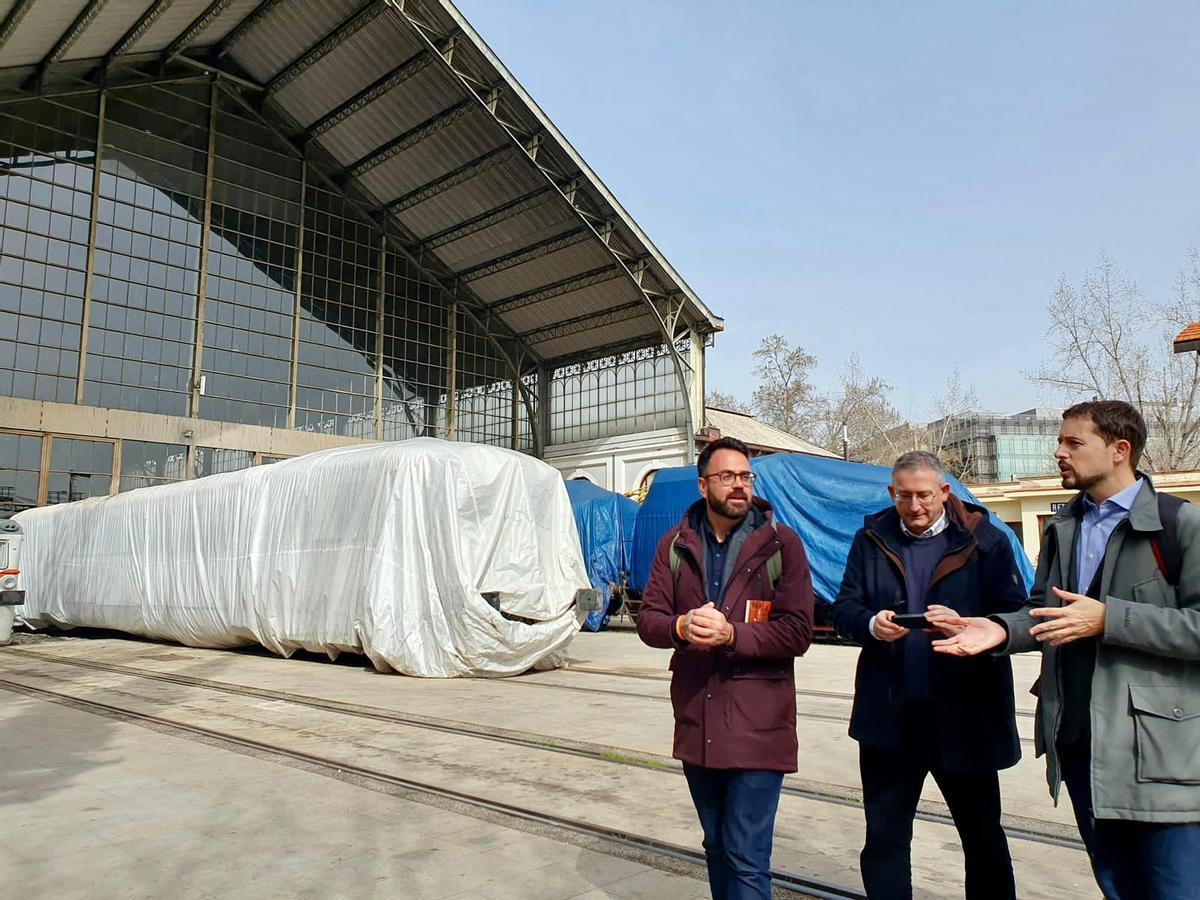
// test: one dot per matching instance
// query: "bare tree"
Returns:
(862, 414)
(1107, 342)
(953, 405)
(727, 402)
(785, 398)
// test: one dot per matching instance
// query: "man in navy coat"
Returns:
(914, 715)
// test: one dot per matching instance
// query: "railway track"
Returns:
(793, 882)
(1024, 830)
(800, 692)
(800, 714)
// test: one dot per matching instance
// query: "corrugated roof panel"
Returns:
(286, 32)
(169, 25)
(581, 257)
(591, 300)
(491, 187)
(416, 101)
(112, 21)
(547, 218)
(433, 157)
(582, 343)
(228, 20)
(361, 58)
(40, 30)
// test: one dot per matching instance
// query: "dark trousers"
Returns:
(1131, 860)
(737, 813)
(892, 782)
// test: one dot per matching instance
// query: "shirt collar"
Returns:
(1123, 498)
(932, 531)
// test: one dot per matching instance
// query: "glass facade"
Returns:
(47, 151)
(126, 271)
(79, 469)
(145, 464)
(20, 472)
(1003, 448)
(625, 394)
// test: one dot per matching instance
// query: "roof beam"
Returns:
(65, 40)
(130, 37)
(585, 323)
(13, 19)
(558, 288)
(408, 139)
(396, 77)
(485, 219)
(454, 177)
(193, 31)
(247, 25)
(525, 254)
(365, 15)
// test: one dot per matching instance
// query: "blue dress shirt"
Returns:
(1095, 528)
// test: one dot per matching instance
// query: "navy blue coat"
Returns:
(973, 697)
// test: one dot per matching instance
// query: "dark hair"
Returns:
(725, 443)
(1114, 420)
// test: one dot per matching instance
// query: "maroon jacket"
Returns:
(735, 708)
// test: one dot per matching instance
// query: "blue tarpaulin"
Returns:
(605, 522)
(823, 500)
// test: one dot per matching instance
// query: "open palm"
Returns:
(976, 635)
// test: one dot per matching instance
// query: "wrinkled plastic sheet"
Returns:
(605, 521)
(824, 500)
(401, 551)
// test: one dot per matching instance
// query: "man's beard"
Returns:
(722, 507)
(1076, 482)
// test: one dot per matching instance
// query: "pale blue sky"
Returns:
(907, 179)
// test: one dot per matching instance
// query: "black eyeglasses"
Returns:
(728, 478)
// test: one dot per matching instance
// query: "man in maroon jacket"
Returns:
(730, 592)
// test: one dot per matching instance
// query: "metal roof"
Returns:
(403, 106)
(749, 430)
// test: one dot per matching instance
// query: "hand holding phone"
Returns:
(911, 620)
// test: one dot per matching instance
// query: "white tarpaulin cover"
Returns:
(382, 549)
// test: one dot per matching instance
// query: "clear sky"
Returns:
(907, 179)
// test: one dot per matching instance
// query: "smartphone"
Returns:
(911, 620)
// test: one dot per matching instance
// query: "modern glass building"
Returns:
(235, 231)
(1003, 448)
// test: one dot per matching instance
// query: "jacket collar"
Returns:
(965, 521)
(1143, 515)
(760, 513)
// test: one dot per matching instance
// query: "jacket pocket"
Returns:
(760, 699)
(1167, 725)
(1153, 592)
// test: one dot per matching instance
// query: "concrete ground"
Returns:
(97, 807)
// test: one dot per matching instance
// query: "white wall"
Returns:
(619, 463)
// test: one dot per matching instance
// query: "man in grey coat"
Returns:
(1119, 695)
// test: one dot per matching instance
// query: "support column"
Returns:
(545, 398)
(379, 337)
(451, 369)
(90, 265)
(695, 385)
(292, 391)
(516, 412)
(206, 225)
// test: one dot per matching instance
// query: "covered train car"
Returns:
(605, 521)
(823, 500)
(432, 558)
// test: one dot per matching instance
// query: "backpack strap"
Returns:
(673, 556)
(1167, 551)
(775, 563)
